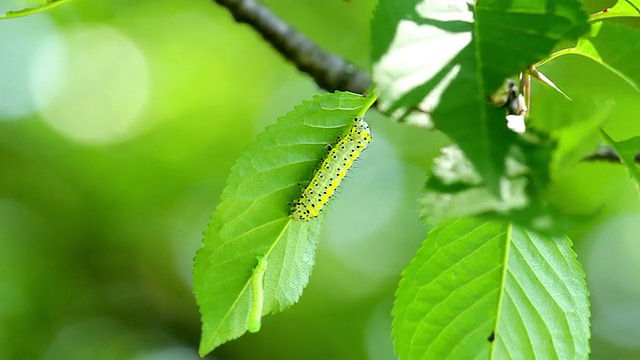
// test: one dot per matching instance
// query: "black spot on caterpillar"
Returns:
(332, 170)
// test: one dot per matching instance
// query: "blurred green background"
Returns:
(119, 122)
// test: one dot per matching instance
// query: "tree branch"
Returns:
(329, 71)
(607, 154)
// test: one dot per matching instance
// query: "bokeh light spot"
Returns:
(19, 41)
(612, 264)
(91, 84)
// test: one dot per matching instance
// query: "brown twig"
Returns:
(329, 71)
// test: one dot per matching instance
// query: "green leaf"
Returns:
(455, 189)
(445, 58)
(574, 124)
(603, 45)
(627, 151)
(490, 290)
(33, 10)
(252, 220)
(622, 8)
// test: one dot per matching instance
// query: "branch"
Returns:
(607, 154)
(329, 71)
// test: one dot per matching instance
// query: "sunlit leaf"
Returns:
(445, 58)
(253, 219)
(603, 45)
(490, 290)
(32, 10)
(622, 8)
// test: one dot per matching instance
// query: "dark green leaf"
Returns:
(444, 59)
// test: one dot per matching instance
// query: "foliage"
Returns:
(486, 44)
(626, 149)
(254, 219)
(496, 277)
(483, 289)
(479, 287)
(31, 10)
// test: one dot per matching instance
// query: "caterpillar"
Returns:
(257, 279)
(332, 170)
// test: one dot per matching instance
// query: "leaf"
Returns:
(544, 300)
(622, 8)
(252, 220)
(575, 125)
(603, 45)
(627, 151)
(579, 139)
(445, 58)
(480, 289)
(546, 81)
(30, 11)
(454, 189)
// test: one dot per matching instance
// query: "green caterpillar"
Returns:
(332, 170)
(257, 280)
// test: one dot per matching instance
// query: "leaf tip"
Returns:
(205, 348)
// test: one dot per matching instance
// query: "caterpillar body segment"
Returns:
(332, 170)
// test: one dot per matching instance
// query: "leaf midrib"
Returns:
(244, 288)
